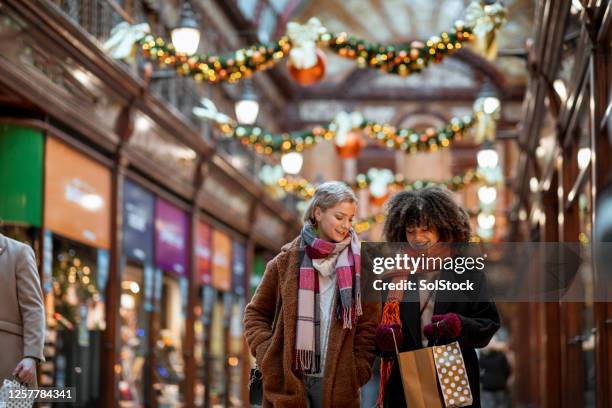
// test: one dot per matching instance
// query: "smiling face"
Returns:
(422, 237)
(334, 223)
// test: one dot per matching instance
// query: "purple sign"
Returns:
(171, 229)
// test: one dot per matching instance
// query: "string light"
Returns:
(405, 139)
(305, 189)
(402, 60)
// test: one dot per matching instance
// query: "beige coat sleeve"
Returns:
(31, 307)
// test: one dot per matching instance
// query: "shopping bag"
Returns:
(12, 395)
(434, 377)
(452, 375)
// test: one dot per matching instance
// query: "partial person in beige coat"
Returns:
(22, 313)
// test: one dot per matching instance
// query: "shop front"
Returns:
(221, 282)
(237, 350)
(171, 294)
(136, 292)
(203, 309)
(75, 269)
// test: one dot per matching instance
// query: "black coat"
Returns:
(479, 322)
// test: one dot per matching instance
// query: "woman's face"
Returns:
(422, 237)
(334, 223)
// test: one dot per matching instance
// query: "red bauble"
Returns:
(309, 76)
(378, 201)
(352, 145)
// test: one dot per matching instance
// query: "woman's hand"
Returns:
(25, 371)
(443, 327)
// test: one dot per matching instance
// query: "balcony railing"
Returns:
(98, 17)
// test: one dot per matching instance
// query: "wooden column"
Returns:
(188, 346)
(550, 324)
(572, 370)
(110, 337)
(601, 81)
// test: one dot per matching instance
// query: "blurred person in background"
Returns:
(495, 372)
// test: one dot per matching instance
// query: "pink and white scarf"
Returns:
(308, 348)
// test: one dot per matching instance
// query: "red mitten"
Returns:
(447, 327)
(384, 337)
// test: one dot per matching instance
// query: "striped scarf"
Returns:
(308, 348)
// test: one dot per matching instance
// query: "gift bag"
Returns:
(452, 375)
(434, 377)
(12, 388)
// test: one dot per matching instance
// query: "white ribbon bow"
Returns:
(209, 111)
(379, 180)
(270, 175)
(344, 123)
(484, 19)
(123, 37)
(303, 38)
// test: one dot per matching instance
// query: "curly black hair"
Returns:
(430, 206)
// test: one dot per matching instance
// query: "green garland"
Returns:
(400, 59)
(405, 139)
(411, 141)
(395, 59)
(305, 189)
(213, 68)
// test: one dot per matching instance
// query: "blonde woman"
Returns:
(306, 326)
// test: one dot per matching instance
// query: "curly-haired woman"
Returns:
(431, 222)
(320, 349)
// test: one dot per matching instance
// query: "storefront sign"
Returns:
(238, 268)
(171, 228)
(138, 214)
(222, 256)
(21, 197)
(77, 196)
(203, 252)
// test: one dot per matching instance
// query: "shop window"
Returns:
(133, 334)
(170, 370)
(75, 318)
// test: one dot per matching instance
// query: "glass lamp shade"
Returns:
(292, 162)
(247, 111)
(186, 35)
(186, 40)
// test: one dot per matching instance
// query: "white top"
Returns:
(327, 296)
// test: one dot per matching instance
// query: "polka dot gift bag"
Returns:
(434, 377)
(452, 375)
(15, 395)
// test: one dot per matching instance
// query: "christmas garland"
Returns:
(302, 43)
(305, 189)
(410, 141)
(365, 224)
(403, 139)
(401, 59)
(213, 68)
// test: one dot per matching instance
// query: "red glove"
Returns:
(443, 327)
(384, 337)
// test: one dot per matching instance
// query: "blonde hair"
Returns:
(326, 196)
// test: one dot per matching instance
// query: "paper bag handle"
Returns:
(394, 341)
